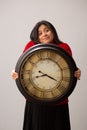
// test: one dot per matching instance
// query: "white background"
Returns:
(17, 18)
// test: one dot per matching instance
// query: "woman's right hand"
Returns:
(14, 74)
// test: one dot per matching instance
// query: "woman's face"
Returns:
(45, 35)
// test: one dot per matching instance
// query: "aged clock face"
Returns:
(46, 73)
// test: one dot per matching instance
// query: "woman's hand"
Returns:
(14, 74)
(77, 74)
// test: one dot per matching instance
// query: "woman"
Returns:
(42, 117)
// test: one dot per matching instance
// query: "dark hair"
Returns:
(34, 32)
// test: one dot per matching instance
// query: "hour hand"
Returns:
(40, 76)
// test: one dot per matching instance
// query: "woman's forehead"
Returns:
(43, 26)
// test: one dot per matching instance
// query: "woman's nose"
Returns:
(44, 33)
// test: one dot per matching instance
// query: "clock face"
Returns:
(45, 73)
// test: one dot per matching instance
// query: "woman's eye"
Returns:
(40, 33)
(47, 30)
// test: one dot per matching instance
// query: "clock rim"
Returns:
(63, 53)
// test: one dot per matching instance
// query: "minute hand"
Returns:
(50, 77)
(47, 76)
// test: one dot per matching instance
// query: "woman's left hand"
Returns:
(77, 74)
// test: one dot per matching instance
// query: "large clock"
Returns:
(46, 74)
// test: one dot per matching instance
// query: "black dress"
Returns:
(42, 117)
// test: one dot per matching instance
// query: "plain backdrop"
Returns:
(17, 18)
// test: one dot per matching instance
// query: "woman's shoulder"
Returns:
(63, 44)
(28, 45)
(66, 47)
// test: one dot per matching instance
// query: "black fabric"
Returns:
(41, 117)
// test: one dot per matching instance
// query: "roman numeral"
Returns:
(67, 79)
(61, 88)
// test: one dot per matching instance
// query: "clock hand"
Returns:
(40, 76)
(47, 76)
(50, 77)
